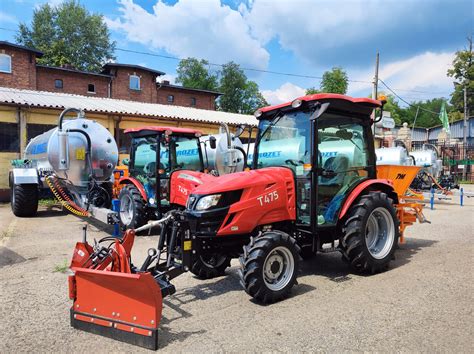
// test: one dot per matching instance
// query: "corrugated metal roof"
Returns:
(114, 106)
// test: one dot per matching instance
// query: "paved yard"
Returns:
(423, 303)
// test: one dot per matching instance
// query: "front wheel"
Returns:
(24, 199)
(132, 208)
(269, 267)
(371, 233)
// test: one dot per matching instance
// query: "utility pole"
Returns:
(376, 78)
(375, 87)
(464, 135)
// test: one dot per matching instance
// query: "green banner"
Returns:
(458, 162)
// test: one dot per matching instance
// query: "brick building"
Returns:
(19, 70)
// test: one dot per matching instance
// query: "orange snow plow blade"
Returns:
(123, 306)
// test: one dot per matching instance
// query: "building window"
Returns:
(193, 101)
(33, 130)
(58, 83)
(134, 82)
(5, 63)
(91, 88)
(170, 98)
(9, 137)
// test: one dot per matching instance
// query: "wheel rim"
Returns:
(380, 233)
(278, 268)
(213, 261)
(126, 210)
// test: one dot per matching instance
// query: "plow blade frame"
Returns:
(122, 306)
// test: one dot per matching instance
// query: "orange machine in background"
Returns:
(119, 172)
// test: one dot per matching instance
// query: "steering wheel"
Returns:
(294, 162)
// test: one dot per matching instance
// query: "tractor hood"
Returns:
(243, 180)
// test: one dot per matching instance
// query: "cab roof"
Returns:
(346, 102)
(158, 129)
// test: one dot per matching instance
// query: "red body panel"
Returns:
(359, 189)
(183, 182)
(136, 183)
(325, 96)
(163, 129)
(268, 196)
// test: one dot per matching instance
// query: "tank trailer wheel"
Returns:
(371, 233)
(24, 199)
(269, 266)
(207, 267)
(132, 208)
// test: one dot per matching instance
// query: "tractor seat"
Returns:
(338, 164)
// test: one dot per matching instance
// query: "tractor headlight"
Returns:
(208, 201)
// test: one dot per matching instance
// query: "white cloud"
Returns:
(308, 28)
(203, 29)
(168, 77)
(7, 18)
(285, 93)
(424, 72)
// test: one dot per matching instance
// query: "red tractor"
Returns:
(313, 187)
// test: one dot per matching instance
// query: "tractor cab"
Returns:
(326, 140)
(155, 153)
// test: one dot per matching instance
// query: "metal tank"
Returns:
(227, 157)
(427, 158)
(396, 155)
(278, 152)
(76, 166)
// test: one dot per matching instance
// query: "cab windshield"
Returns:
(285, 141)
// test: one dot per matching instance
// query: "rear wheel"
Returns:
(371, 233)
(132, 208)
(24, 199)
(270, 266)
(207, 267)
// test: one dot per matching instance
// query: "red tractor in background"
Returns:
(313, 187)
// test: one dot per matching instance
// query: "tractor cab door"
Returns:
(343, 161)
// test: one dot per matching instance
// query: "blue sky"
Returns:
(416, 39)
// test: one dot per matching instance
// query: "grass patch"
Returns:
(61, 268)
(466, 182)
(47, 202)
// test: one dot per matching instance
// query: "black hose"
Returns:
(243, 153)
(66, 111)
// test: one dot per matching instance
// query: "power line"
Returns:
(243, 68)
(403, 100)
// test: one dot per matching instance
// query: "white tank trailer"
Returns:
(396, 155)
(79, 155)
(427, 158)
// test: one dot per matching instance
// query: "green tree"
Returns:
(463, 74)
(239, 94)
(68, 34)
(195, 73)
(333, 81)
(312, 91)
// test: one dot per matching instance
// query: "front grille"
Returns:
(206, 223)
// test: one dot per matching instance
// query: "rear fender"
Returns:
(136, 183)
(25, 176)
(383, 185)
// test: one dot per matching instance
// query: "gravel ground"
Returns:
(424, 303)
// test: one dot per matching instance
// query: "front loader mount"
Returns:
(115, 299)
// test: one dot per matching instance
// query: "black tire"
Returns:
(252, 275)
(210, 267)
(24, 199)
(307, 253)
(138, 217)
(355, 248)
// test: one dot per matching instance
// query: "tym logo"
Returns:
(400, 176)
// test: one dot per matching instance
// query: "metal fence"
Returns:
(455, 156)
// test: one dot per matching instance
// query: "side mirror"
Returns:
(212, 142)
(125, 161)
(240, 129)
